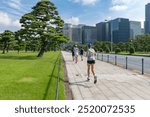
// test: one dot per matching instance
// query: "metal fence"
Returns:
(58, 79)
(141, 64)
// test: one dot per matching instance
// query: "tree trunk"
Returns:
(18, 51)
(4, 47)
(42, 50)
(7, 48)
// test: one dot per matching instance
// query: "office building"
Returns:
(135, 29)
(77, 33)
(67, 31)
(103, 31)
(142, 31)
(89, 34)
(119, 30)
(147, 19)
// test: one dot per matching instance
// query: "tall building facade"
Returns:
(103, 31)
(89, 34)
(77, 33)
(135, 29)
(73, 32)
(147, 19)
(119, 30)
(67, 31)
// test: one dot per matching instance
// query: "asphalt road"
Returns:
(133, 62)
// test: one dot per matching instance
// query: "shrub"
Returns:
(107, 50)
(117, 50)
(131, 50)
(100, 50)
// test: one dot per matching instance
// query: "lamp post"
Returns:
(111, 34)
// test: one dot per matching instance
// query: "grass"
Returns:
(25, 77)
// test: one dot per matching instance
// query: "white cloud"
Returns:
(16, 4)
(73, 20)
(121, 1)
(85, 2)
(132, 9)
(119, 7)
(13, 5)
(5, 20)
(16, 23)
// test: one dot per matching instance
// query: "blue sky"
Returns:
(87, 12)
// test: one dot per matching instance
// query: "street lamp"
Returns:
(111, 34)
(111, 40)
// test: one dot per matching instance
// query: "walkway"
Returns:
(114, 83)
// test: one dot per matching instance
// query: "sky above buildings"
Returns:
(87, 12)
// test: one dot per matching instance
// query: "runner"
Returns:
(90, 62)
(76, 53)
(72, 51)
(81, 53)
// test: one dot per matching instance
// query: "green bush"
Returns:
(100, 50)
(131, 50)
(107, 50)
(117, 50)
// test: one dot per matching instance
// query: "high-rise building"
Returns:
(89, 34)
(147, 19)
(119, 30)
(73, 32)
(142, 31)
(103, 31)
(67, 31)
(77, 33)
(135, 29)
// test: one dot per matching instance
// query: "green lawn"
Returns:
(25, 77)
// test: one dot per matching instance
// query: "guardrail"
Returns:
(58, 80)
(50, 79)
(138, 63)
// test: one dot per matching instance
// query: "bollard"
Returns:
(126, 62)
(115, 60)
(102, 57)
(142, 66)
(108, 58)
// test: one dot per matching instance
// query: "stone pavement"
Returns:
(114, 83)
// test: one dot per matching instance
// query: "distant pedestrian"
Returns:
(72, 51)
(76, 53)
(90, 62)
(81, 53)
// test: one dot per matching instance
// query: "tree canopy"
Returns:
(44, 24)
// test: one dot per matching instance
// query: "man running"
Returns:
(81, 53)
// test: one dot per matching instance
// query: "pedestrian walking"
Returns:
(81, 53)
(76, 53)
(72, 51)
(90, 62)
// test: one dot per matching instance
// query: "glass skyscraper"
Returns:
(89, 34)
(120, 30)
(135, 29)
(103, 33)
(147, 19)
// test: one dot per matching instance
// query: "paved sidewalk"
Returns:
(114, 83)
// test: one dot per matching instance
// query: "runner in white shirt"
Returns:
(76, 53)
(90, 62)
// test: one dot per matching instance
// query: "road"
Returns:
(133, 62)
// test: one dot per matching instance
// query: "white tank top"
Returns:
(75, 51)
(91, 54)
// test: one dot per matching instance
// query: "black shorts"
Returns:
(91, 62)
